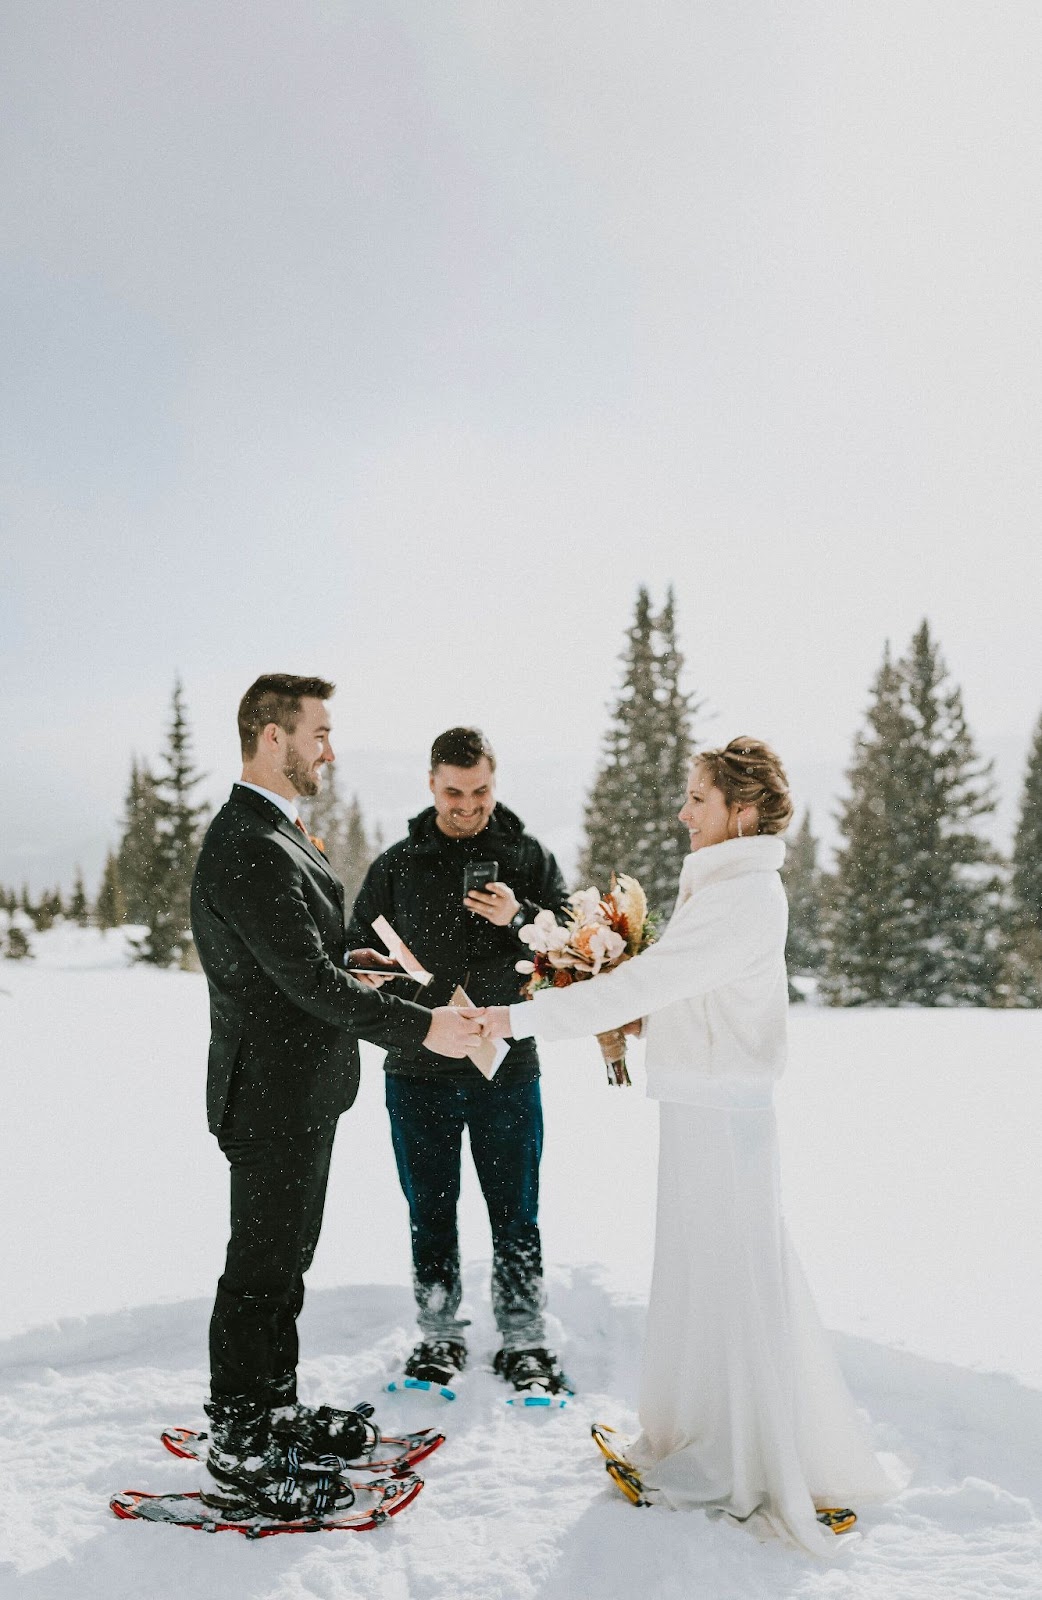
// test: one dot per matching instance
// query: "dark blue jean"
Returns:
(505, 1124)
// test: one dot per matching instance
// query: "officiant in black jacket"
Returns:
(268, 923)
(471, 940)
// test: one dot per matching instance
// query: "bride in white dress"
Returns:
(743, 1409)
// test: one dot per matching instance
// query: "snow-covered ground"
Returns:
(912, 1186)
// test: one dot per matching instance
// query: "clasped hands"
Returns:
(456, 1029)
(474, 1023)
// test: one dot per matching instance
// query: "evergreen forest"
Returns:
(916, 908)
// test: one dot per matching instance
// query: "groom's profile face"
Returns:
(307, 749)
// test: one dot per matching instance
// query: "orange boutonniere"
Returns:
(310, 837)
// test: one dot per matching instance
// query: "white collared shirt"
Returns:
(287, 807)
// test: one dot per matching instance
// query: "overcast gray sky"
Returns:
(401, 341)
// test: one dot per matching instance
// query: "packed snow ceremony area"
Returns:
(521, 821)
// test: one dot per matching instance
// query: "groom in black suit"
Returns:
(268, 922)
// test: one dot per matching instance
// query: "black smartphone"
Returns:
(476, 874)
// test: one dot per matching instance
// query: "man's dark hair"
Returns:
(276, 697)
(461, 747)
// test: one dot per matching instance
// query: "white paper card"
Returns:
(487, 1055)
(401, 952)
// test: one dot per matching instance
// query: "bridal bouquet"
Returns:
(599, 933)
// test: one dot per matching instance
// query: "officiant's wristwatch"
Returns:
(519, 919)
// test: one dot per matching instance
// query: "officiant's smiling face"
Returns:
(464, 798)
(705, 813)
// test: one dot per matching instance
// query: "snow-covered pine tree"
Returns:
(325, 816)
(1026, 880)
(915, 898)
(17, 947)
(1021, 981)
(617, 811)
(1020, 972)
(867, 902)
(78, 908)
(341, 827)
(110, 907)
(630, 817)
(42, 914)
(804, 884)
(675, 714)
(954, 890)
(359, 853)
(138, 857)
(179, 825)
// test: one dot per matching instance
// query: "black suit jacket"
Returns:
(268, 922)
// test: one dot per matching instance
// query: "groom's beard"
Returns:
(305, 778)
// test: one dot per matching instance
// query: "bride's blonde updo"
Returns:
(748, 773)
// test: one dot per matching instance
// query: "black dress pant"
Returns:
(278, 1190)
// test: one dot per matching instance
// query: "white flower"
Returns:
(586, 905)
(605, 945)
(544, 934)
(524, 966)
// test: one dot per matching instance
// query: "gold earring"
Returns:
(740, 834)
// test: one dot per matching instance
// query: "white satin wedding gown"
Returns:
(743, 1409)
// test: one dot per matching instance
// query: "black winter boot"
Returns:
(535, 1370)
(437, 1360)
(321, 1430)
(252, 1469)
(324, 1431)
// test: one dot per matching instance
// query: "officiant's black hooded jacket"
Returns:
(285, 1018)
(417, 884)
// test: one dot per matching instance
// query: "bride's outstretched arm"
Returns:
(713, 941)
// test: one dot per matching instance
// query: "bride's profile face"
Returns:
(705, 813)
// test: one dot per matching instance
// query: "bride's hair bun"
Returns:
(749, 773)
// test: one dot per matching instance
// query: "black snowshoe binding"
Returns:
(325, 1430)
(436, 1361)
(533, 1372)
(253, 1469)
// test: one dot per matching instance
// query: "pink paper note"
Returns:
(401, 952)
